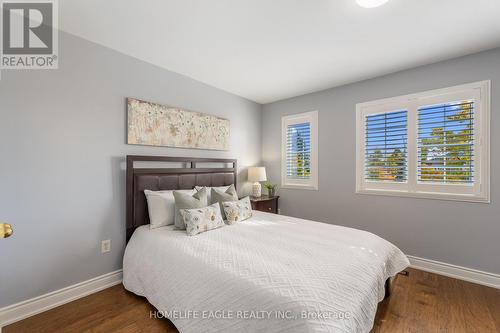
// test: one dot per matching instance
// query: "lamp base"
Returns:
(256, 189)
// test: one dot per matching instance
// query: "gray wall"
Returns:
(459, 233)
(62, 148)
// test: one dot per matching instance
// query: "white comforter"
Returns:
(271, 273)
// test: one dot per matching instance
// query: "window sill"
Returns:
(428, 195)
(300, 187)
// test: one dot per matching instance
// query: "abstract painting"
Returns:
(158, 125)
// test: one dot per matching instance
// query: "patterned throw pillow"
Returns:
(237, 210)
(199, 220)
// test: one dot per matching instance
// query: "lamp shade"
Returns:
(257, 174)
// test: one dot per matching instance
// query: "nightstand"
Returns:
(265, 203)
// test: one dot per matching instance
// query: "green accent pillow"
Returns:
(186, 201)
(220, 197)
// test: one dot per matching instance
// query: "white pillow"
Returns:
(161, 207)
(209, 191)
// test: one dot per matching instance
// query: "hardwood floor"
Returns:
(422, 302)
(426, 302)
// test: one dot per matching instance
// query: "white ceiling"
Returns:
(267, 50)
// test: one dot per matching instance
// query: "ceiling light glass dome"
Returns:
(371, 3)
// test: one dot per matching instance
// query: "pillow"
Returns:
(161, 207)
(202, 219)
(209, 191)
(220, 197)
(188, 201)
(237, 210)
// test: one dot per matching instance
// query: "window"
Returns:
(446, 143)
(299, 151)
(433, 144)
(385, 147)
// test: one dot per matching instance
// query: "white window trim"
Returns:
(480, 190)
(312, 183)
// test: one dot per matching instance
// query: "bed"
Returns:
(270, 273)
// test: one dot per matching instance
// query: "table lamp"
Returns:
(256, 175)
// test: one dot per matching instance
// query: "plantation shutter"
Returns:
(298, 151)
(446, 143)
(386, 147)
(433, 144)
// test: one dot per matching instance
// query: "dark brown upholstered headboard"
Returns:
(156, 179)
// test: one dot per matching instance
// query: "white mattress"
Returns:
(271, 273)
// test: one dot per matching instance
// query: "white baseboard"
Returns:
(31, 307)
(457, 272)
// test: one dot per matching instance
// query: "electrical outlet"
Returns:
(106, 246)
(279, 211)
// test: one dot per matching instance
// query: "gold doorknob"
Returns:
(5, 230)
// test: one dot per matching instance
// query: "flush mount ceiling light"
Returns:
(371, 3)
